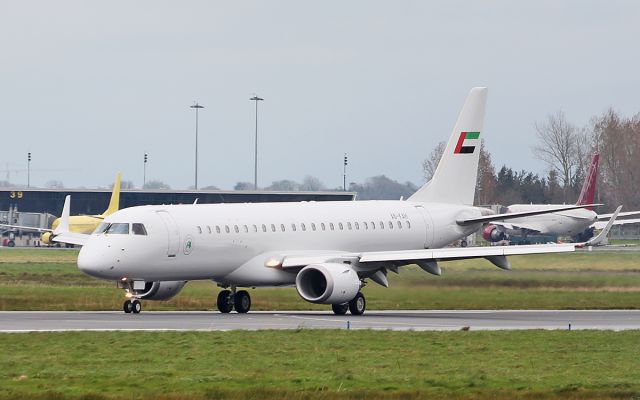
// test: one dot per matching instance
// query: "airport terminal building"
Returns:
(90, 202)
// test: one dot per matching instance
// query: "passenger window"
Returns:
(208, 229)
(226, 228)
(264, 228)
(357, 226)
(304, 228)
(246, 229)
(399, 224)
(331, 225)
(217, 229)
(408, 224)
(349, 225)
(340, 225)
(273, 228)
(313, 226)
(365, 226)
(138, 229)
(255, 228)
(235, 227)
(322, 226)
(119, 229)
(293, 227)
(381, 225)
(282, 227)
(390, 225)
(373, 225)
(199, 229)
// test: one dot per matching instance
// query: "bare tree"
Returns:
(559, 146)
(243, 186)
(311, 183)
(430, 164)
(54, 184)
(156, 184)
(486, 179)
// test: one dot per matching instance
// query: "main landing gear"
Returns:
(132, 306)
(228, 300)
(356, 306)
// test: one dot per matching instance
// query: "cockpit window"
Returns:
(138, 229)
(122, 229)
(101, 228)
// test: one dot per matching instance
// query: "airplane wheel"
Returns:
(127, 307)
(224, 301)
(242, 301)
(340, 309)
(136, 307)
(358, 304)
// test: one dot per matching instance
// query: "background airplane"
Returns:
(579, 223)
(327, 250)
(84, 224)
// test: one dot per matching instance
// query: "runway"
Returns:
(54, 321)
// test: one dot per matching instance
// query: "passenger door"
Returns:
(173, 233)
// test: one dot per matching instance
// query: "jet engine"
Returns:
(163, 290)
(491, 233)
(327, 283)
(46, 238)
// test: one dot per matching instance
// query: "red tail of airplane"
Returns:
(589, 186)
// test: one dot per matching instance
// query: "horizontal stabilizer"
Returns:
(598, 240)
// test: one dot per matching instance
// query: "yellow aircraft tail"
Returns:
(114, 203)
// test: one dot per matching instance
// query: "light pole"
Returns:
(344, 173)
(144, 171)
(28, 169)
(255, 161)
(197, 107)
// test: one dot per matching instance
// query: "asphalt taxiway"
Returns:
(52, 321)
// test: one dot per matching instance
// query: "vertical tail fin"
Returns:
(114, 203)
(455, 178)
(589, 186)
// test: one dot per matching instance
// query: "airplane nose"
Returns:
(92, 261)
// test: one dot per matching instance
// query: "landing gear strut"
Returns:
(356, 306)
(228, 300)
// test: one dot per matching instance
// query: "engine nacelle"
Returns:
(327, 283)
(163, 290)
(46, 238)
(491, 233)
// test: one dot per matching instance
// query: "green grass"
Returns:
(320, 365)
(49, 280)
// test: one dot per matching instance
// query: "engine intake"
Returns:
(491, 233)
(163, 290)
(327, 283)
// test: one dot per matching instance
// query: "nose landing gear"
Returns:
(228, 300)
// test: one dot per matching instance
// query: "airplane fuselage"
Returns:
(233, 243)
(570, 222)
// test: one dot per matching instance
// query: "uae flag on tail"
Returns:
(467, 142)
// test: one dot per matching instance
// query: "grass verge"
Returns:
(320, 365)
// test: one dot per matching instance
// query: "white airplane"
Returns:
(326, 250)
(579, 223)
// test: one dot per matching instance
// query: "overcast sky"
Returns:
(88, 87)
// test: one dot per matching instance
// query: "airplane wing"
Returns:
(62, 234)
(606, 217)
(26, 228)
(495, 254)
(500, 217)
(602, 224)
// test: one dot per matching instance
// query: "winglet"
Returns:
(597, 241)
(63, 226)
